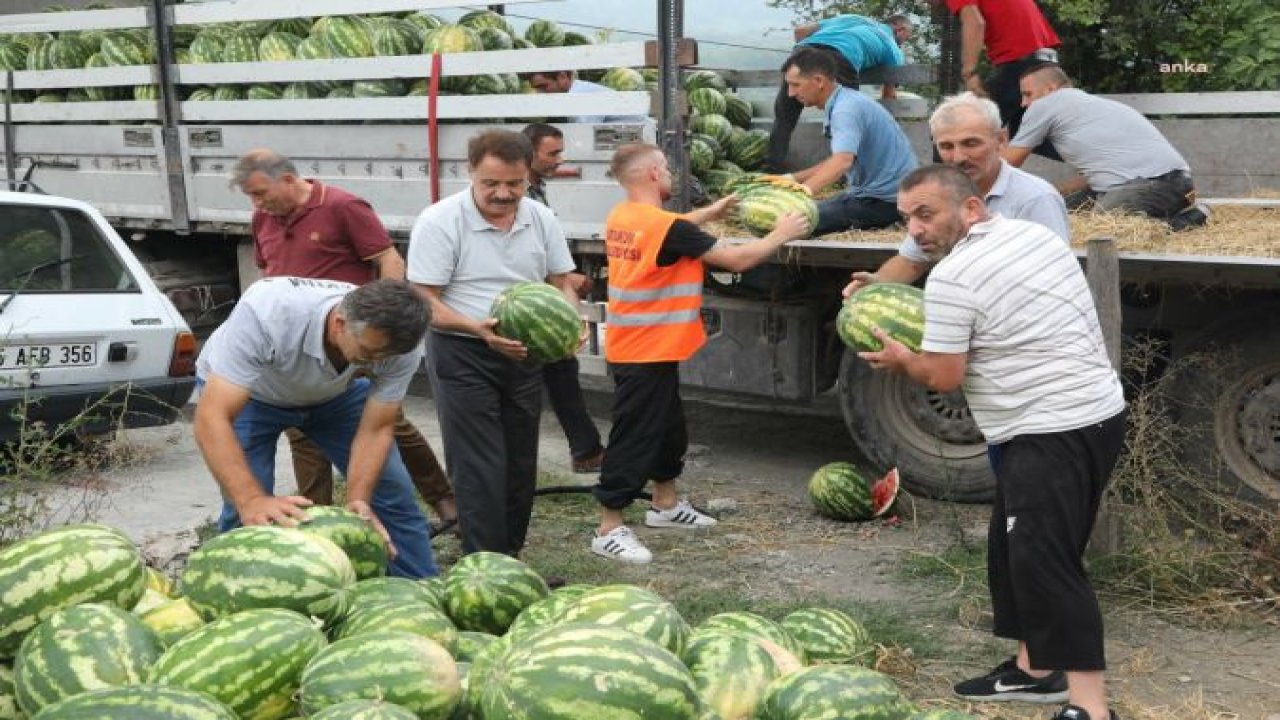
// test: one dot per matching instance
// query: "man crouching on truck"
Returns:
(656, 262)
(1010, 320)
(287, 358)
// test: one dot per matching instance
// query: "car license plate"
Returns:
(16, 357)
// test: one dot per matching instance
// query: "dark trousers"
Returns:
(561, 379)
(489, 408)
(648, 439)
(1002, 86)
(786, 109)
(1158, 197)
(850, 212)
(1048, 488)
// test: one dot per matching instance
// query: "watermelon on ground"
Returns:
(268, 567)
(833, 691)
(172, 620)
(375, 591)
(841, 492)
(830, 636)
(731, 670)
(753, 625)
(251, 661)
(546, 611)
(895, 308)
(540, 316)
(79, 649)
(62, 567)
(598, 671)
(403, 616)
(396, 667)
(364, 710)
(485, 591)
(470, 644)
(633, 609)
(138, 702)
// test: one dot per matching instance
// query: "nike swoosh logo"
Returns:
(1001, 687)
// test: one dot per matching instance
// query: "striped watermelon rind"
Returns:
(397, 667)
(485, 591)
(600, 672)
(633, 609)
(715, 125)
(830, 636)
(470, 644)
(251, 661)
(707, 101)
(62, 567)
(346, 36)
(79, 649)
(760, 206)
(364, 710)
(695, 79)
(749, 148)
(896, 308)
(730, 671)
(376, 591)
(268, 566)
(547, 611)
(138, 702)
(538, 315)
(623, 79)
(738, 111)
(355, 535)
(173, 620)
(753, 625)
(402, 616)
(544, 33)
(833, 691)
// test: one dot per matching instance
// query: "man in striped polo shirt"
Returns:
(1009, 318)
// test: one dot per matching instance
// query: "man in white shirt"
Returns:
(967, 133)
(567, 81)
(1009, 319)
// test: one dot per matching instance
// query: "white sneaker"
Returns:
(683, 515)
(621, 544)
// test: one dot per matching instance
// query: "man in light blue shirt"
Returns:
(856, 44)
(868, 147)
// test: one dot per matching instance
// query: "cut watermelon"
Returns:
(884, 492)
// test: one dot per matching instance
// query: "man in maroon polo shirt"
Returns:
(1016, 36)
(303, 228)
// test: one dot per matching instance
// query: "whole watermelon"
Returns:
(268, 567)
(760, 206)
(752, 625)
(695, 79)
(748, 148)
(544, 33)
(481, 19)
(839, 491)
(495, 39)
(895, 308)
(730, 671)
(452, 39)
(8, 701)
(138, 702)
(240, 47)
(717, 126)
(633, 609)
(485, 591)
(738, 111)
(707, 101)
(623, 79)
(833, 691)
(396, 37)
(470, 644)
(225, 93)
(599, 672)
(702, 154)
(402, 616)
(79, 649)
(346, 36)
(396, 667)
(830, 636)
(62, 567)
(173, 620)
(276, 46)
(538, 315)
(251, 661)
(546, 611)
(375, 591)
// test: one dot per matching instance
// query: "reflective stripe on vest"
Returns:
(654, 312)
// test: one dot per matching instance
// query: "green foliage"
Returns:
(1123, 46)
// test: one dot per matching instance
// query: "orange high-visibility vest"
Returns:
(654, 312)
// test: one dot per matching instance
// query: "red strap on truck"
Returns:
(433, 127)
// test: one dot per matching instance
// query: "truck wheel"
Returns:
(929, 436)
(1246, 427)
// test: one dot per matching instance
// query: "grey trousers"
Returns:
(1158, 197)
(489, 408)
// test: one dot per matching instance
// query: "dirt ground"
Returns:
(770, 548)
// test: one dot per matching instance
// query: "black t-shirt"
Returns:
(684, 239)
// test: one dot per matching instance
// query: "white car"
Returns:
(88, 343)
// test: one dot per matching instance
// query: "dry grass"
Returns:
(1233, 230)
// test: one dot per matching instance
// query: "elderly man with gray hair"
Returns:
(967, 133)
(287, 357)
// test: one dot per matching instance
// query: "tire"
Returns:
(929, 436)
(1243, 408)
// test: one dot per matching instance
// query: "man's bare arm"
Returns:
(389, 264)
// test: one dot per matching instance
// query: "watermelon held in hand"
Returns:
(356, 536)
(760, 206)
(895, 308)
(839, 491)
(541, 317)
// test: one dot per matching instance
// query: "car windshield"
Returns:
(56, 250)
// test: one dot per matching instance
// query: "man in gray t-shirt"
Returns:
(1125, 162)
(463, 251)
(287, 358)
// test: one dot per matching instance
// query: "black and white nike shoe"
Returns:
(1007, 682)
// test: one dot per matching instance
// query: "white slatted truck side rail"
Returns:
(112, 154)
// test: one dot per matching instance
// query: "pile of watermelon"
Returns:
(301, 38)
(270, 623)
(723, 145)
